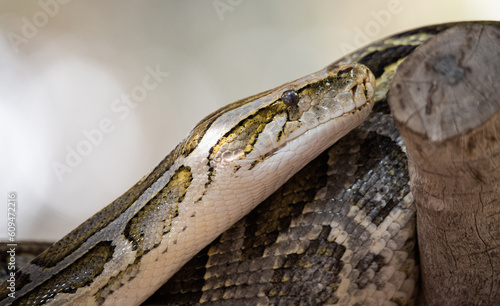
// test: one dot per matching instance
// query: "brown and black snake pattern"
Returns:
(291, 249)
(341, 231)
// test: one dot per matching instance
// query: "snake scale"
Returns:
(341, 230)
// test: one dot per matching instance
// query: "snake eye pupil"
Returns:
(290, 97)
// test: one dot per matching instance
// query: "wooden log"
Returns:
(445, 98)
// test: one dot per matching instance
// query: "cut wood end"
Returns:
(448, 86)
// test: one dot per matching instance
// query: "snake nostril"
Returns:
(353, 90)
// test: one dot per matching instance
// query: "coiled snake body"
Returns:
(340, 231)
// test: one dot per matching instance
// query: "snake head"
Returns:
(268, 137)
(312, 112)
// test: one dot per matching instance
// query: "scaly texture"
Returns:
(231, 161)
(340, 232)
(387, 272)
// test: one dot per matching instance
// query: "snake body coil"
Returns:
(339, 231)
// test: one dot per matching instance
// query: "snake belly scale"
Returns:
(230, 162)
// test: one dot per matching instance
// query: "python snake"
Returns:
(339, 231)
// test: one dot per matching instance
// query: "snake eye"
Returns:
(290, 97)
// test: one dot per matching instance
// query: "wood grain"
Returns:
(445, 100)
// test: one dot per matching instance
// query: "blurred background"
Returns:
(93, 94)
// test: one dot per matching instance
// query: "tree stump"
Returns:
(445, 98)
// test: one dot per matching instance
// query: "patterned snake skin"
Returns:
(312, 242)
(341, 231)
